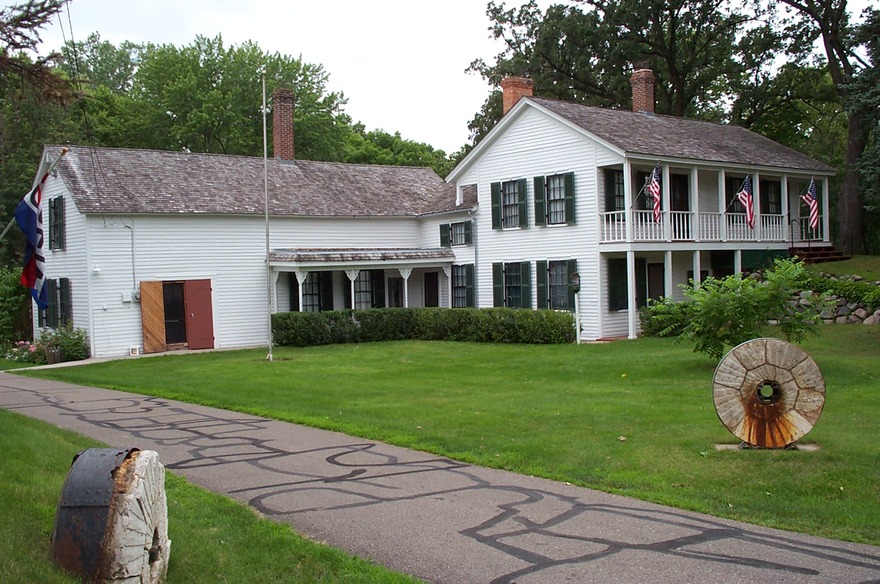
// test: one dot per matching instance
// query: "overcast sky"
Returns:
(400, 63)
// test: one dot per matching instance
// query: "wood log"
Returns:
(768, 393)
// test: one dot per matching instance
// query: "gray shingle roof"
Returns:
(113, 180)
(672, 137)
(350, 255)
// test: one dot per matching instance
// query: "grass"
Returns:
(631, 417)
(214, 539)
(866, 266)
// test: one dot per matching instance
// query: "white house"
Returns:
(151, 251)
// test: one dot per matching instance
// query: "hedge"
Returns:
(489, 325)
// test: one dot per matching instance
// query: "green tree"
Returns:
(380, 147)
(829, 21)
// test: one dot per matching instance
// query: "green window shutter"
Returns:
(617, 292)
(64, 307)
(468, 232)
(52, 215)
(571, 268)
(569, 198)
(610, 190)
(469, 285)
(521, 188)
(378, 278)
(540, 201)
(60, 210)
(496, 205)
(52, 308)
(526, 285)
(325, 289)
(444, 235)
(498, 285)
(293, 284)
(541, 283)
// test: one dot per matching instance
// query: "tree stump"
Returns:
(768, 393)
(112, 521)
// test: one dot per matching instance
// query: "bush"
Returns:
(491, 325)
(26, 352)
(861, 292)
(15, 302)
(72, 344)
(732, 310)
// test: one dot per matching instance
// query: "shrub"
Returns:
(862, 292)
(732, 310)
(493, 325)
(26, 352)
(72, 343)
(15, 319)
(665, 317)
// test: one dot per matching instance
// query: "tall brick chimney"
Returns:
(642, 82)
(513, 88)
(282, 123)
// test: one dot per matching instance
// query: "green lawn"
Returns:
(631, 417)
(214, 539)
(865, 265)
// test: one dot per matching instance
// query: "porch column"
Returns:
(694, 195)
(786, 225)
(628, 199)
(632, 310)
(722, 206)
(695, 262)
(405, 273)
(301, 278)
(737, 261)
(447, 270)
(352, 276)
(667, 274)
(274, 300)
(756, 201)
(826, 217)
(666, 202)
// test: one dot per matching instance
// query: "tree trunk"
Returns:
(850, 208)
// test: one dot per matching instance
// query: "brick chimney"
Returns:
(642, 82)
(282, 123)
(513, 88)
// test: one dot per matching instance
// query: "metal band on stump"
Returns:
(768, 392)
(112, 519)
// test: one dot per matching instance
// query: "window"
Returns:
(58, 312)
(56, 223)
(460, 233)
(733, 185)
(463, 286)
(363, 291)
(317, 293)
(679, 191)
(369, 290)
(614, 198)
(311, 293)
(511, 284)
(552, 284)
(771, 197)
(617, 287)
(509, 204)
(554, 199)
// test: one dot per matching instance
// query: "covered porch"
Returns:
(313, 280)
(700, 205)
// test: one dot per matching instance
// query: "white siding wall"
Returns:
(537, 145)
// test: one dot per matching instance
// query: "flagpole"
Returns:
(266, 210)
(40, 178)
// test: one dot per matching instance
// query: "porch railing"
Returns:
(688, 226)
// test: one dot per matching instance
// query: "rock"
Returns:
(873, 319)
(840, 320)
(826, 315)
(862, 313)
(853, 319)
(843, 311)
(807, 294)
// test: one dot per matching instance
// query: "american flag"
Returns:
(745, 197)
(810, 199)
(654, 190)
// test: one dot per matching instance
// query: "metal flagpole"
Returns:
(266, 209)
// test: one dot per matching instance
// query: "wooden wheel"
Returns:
(768, 392)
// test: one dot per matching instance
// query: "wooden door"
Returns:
(153, 317)
(432, 289)
(199, 314)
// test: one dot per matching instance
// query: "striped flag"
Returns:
(810, 199)
(29, 217)
(745, 197)
(654, 190)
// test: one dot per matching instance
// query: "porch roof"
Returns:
(340, 258)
